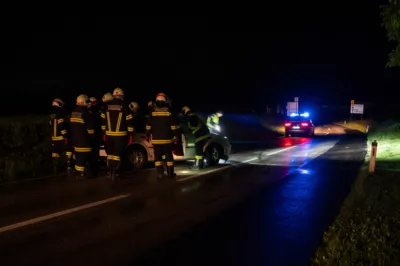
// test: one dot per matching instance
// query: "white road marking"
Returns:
(279, 151)
(204, 173)
(61, 213)
(230, 166)
(116, 198)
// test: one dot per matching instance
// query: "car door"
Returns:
(187, 141)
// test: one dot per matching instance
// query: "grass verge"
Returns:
(361, 125)
(367, 229)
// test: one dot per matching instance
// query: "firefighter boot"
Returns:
(201, 163)
(69, 167)
(118, 170)
(80, 175)
(113, 174)
(195, 165)
(170, 171)
(109, 170)
(160, 172)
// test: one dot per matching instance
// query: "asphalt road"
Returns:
(270, 204)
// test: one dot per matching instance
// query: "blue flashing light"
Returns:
(306, 114)
(293, 114)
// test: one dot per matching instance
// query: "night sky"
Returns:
(238, 62)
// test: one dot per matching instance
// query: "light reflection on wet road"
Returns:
(280, 225)
(283, 220)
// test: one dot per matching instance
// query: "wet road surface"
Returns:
(269, 203)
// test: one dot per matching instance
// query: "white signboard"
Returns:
(292, 107)
(357, 109)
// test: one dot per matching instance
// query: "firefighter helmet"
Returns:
(82, 99)
(161, 97)
(133, 105)
(58, 103)
(185, 110)
(107, 97)
(93, 100)
(118, 92)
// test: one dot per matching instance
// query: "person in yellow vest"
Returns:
(213, 122)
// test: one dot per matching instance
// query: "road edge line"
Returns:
(60, 213)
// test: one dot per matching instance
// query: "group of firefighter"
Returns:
(81, 133)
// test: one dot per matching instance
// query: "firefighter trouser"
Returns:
(199, 149)
(69, 151)
(57, 148)
(115, 148)
(161, 150)
(82, 156)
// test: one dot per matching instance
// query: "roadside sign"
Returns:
(292, 107)
(352, 102)
(357, 109)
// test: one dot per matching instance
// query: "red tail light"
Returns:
(304, 124)
(288, 124)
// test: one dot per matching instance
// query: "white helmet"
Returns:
(161, 97)
(58, 103)
(82, 99)
(107, 97)
(133, 105)
(118, 92)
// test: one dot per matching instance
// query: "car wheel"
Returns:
(137, 158)
(213, 154)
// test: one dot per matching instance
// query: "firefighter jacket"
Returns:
(96, 113)
(82, 127)
(139, 122)
(163, 126)
(212, 121)
(116, 120)
(58, 126)
(198, 128)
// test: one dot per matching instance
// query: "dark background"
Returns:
(323, 54)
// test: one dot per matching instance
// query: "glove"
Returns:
(66, 141)
(130, 140)
(104, 138)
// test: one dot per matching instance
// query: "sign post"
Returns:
(357, 109)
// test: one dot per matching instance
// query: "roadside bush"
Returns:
(25, 147)
(367, 229)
